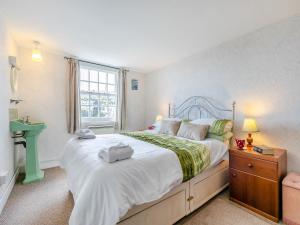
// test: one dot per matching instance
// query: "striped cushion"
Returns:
(220, 127)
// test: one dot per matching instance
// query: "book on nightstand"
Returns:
(263, 149)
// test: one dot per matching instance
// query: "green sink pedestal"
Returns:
(32, 130)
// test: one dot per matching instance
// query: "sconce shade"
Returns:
(250, 125)
(36, 53)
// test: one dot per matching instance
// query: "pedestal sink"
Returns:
(31, 130)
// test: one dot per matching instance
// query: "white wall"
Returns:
(135, 102)
(261, 71)
(42, 86)
(7, 152)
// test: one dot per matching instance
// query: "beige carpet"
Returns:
(222, 212)
(43, 203)
(49, 203)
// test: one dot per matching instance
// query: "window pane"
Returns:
(103, 112)
(111, 88)
(98, 98)
(103, 100)
(84, 99)
(102, 88)
(94, 100)
(111, 113)
(84, 111)
(111, 78)
(84, 86)
(84, 74)
(102, 77)
(94, 75)
(112, 100)
(93, 87)
(94, 111)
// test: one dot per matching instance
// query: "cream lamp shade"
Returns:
(250, 125)
(158, 118)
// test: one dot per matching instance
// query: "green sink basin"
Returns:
(31, 131)
(20, 125)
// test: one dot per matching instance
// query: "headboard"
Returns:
(201, 107)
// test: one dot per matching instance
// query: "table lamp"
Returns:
(250, 127)
(158, 118)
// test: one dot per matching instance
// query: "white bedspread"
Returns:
(104, 192)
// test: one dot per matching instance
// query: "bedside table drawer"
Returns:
(254, 166)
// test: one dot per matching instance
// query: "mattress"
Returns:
(103, 192)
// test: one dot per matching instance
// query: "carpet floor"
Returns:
(49, 203)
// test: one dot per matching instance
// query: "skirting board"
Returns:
(43, 165)
(8, 190)
(49, 163)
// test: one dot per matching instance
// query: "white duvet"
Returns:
(104, 192)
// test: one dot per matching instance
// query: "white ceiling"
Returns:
(138, 34)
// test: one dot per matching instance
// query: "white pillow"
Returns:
(169, 127)
(157, 124)
(192, 131)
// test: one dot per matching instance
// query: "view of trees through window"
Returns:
(98, 96)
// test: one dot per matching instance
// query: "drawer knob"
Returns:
(234, 175)
(250, 165)
(190, 198)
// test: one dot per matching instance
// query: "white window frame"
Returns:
(90, 121)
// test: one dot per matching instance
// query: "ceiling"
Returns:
(138, 34)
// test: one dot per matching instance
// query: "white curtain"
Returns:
(122, 101)
(73, 118)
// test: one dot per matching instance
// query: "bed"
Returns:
(148, 188)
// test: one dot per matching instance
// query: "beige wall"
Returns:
(42, 86)
(260, 71)
(8, 159)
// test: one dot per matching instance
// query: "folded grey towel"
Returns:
(85, 134)
(115, 153)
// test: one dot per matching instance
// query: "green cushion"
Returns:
(220, 127)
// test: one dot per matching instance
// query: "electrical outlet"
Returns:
(3, 178)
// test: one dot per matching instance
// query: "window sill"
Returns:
(100, 126)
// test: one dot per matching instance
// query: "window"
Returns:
(98, 95)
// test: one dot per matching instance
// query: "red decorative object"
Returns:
(151, 127)
(240, 143)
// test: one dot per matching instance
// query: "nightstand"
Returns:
(255, 181)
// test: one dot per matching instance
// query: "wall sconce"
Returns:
(36, 52)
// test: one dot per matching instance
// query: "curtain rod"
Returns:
(117, 68)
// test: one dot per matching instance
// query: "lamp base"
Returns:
(249, 141)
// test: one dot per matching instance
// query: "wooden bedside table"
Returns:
(255, 181)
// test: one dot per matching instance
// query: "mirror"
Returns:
(13, 73)
(13, 79)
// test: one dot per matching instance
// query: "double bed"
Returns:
(148, 188)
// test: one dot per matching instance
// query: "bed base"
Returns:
(182, 200)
